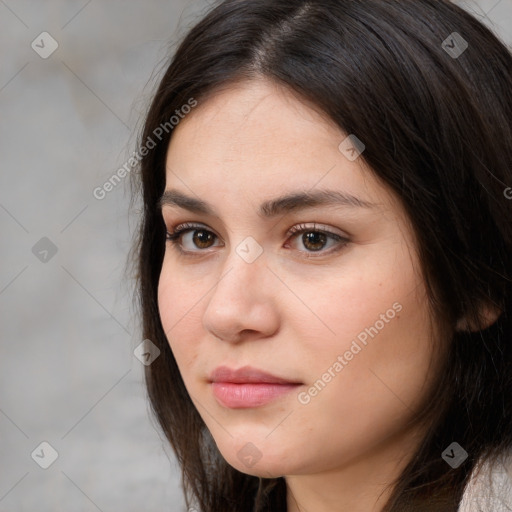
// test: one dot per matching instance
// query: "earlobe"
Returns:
(488, 315)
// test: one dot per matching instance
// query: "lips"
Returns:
(248, 387)
(247, 375)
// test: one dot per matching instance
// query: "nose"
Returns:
(243, 304)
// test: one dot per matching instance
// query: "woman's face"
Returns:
(336, 311)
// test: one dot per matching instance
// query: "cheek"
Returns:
(362, 294)
(180, 319)
(371, 394)
(378, 322)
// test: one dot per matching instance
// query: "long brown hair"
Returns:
(434, 109)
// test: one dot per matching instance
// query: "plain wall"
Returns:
(68, 374)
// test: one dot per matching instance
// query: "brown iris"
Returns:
(314, 238)
(202, 237)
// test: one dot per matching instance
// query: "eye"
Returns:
(198, 238)
(315, 240)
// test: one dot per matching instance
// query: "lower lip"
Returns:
(238, 396)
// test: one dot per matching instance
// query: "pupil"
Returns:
(202, 237)
(314, 238)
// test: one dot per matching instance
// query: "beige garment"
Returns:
(490, 489)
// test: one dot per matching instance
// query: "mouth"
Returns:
(248, 387)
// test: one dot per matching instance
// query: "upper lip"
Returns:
(247, 374)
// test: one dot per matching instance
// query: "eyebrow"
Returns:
(284, 204)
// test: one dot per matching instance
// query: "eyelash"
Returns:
(181, 229)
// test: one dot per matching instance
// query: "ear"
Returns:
(489, 313)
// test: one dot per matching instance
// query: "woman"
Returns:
(325, 257)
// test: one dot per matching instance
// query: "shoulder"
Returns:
(490, 487)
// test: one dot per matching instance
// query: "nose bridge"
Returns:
(245, 265)
(239, 302)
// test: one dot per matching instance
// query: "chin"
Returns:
(259, 470)
(250, 460)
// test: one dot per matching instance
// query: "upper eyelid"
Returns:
(191, 226)
(297, 228)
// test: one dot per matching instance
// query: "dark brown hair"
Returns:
(437, 126)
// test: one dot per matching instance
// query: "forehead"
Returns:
(258, 137)
(252, 111)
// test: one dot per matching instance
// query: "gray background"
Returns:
(68, 375)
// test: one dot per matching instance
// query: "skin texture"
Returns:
(290, 315)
